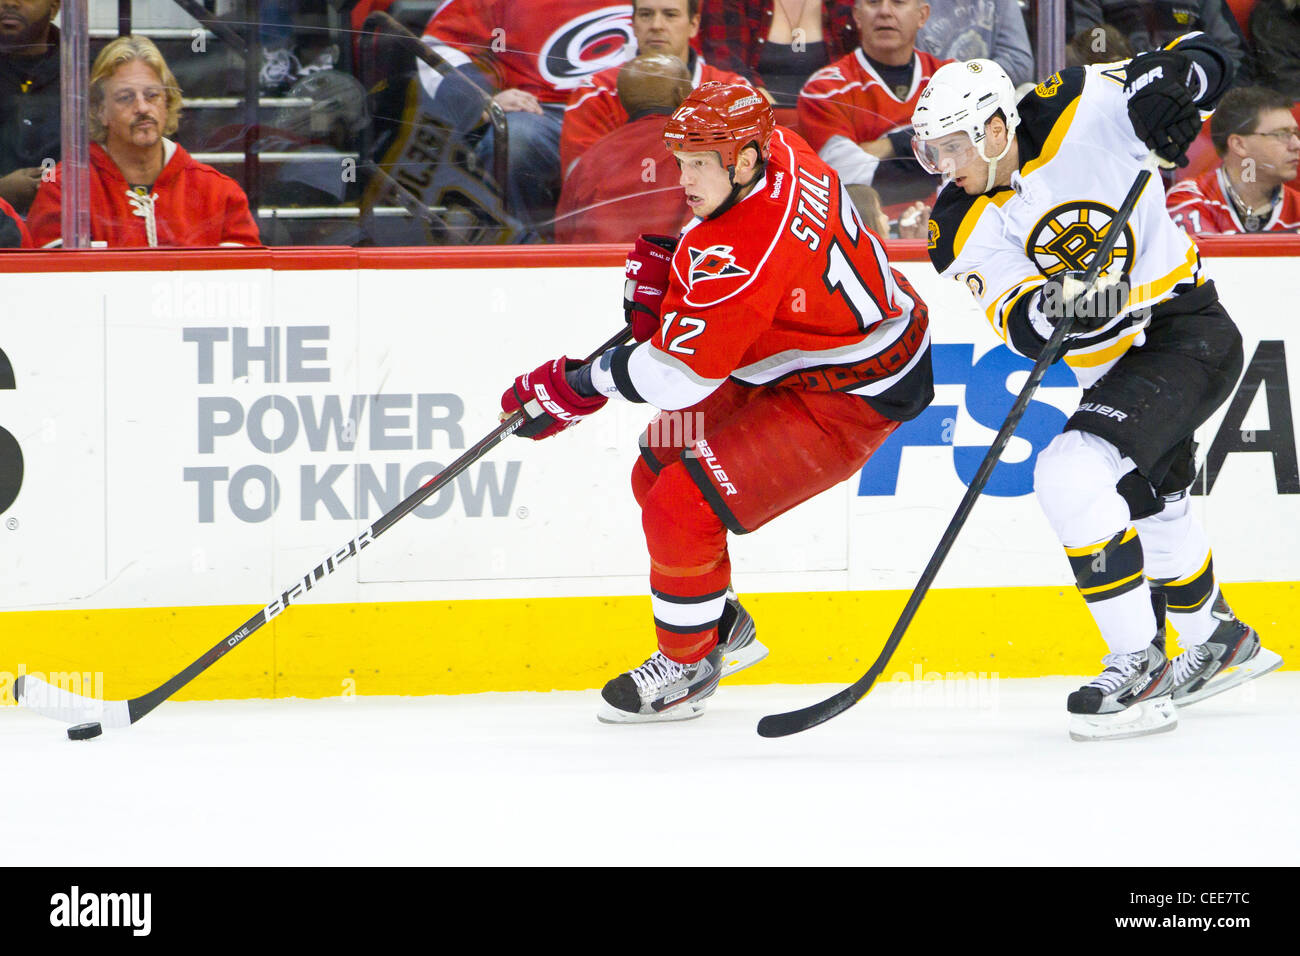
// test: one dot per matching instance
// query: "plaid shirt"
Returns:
(732, 32)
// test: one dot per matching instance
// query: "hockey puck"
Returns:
(85, 731)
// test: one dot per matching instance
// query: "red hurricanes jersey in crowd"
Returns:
(594, 107)
(849, 98)
(190, 204)
(788, 288)
(542, 48)
(13, 231)
(1202, 206)
(611, 198)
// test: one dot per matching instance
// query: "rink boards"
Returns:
(184, 435)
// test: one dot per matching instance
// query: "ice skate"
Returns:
(1130, 698)
(661, 689)
(1230, 656)
(740, 645)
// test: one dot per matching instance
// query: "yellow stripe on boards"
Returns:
(464, 647)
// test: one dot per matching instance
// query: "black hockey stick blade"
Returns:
(50, 701)
(795, 721)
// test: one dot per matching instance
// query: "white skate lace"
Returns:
(1187, 663)
(1119, 668)
(656, 672)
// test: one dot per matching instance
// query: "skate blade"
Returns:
(1265, 662)
(747, 656)
(1149, 717)
(687, 710)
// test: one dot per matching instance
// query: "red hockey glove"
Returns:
(549, 403)
(647, 281)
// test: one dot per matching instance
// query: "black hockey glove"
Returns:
(1160, 105)
(1064, 295)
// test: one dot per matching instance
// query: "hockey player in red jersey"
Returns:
(782, 350)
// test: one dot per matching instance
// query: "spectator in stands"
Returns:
(1256, 137)
(1151, 24)
(857, 112)
(13, 231)
(145, 190)
(528, 57)
(912, 224)
(1275, 31)
(29, 97)
(980, 29)
(777, 44)
(1103, 44)
(625, 183)
(660, 26)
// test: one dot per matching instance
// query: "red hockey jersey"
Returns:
(13, 231)
(545, 49)
(849, 99)
(609, 198)
(1201, 206)
(788, 288)
(190, 204)
(594, 108)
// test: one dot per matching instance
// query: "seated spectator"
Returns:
(1102, 44)
(912, 224)
(776, 44)
(980, 30)
(29, 97)
(13, 231)
(625, 184)
(528, 57)
(857, 112)
(1257, 140)
(1151, 24)
(660, 26)
(145, 190)
(1275, 31)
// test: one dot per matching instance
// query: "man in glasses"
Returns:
(145, 189)
(1255, 135)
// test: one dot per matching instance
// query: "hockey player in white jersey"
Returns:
(1031, 188)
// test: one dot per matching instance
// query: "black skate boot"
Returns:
(660, 690)
(1230, 656)
(737, 636)
(1130, 698)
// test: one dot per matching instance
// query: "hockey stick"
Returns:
(792, 722)
(50, 701)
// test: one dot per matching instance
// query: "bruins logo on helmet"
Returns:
(1067, 237)
(974, 67)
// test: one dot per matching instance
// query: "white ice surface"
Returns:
(915, 774)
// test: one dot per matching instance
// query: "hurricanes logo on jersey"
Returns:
(1066, 238)
(715, 262)
(585, 45)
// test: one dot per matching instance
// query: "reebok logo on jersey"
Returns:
(715, 262)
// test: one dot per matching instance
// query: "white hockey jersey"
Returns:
(1078, 158)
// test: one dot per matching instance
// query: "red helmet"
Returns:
(725, 117)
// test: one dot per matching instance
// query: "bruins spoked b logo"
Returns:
(1067, 238)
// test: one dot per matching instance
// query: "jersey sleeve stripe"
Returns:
(664, 381)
